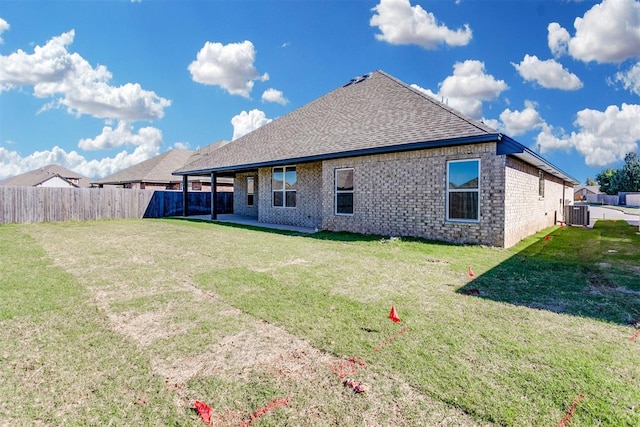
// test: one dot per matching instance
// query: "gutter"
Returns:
(492, 137)
(510, 147)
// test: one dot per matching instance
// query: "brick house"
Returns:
(377, 156)
(49, 176)
(156, 173)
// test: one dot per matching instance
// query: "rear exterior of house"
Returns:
(385, 159)
(406, 194)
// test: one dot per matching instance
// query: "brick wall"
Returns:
(526, 211)
(404, 194)
(240, 206)
(308, 210)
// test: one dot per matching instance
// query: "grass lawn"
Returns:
(128, 322)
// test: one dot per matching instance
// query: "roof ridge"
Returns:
(476, 123)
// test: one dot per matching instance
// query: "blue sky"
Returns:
(99, 86)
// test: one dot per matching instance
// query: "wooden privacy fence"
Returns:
(48, 204)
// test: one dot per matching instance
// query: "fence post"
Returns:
(185, 195)
(214, 196)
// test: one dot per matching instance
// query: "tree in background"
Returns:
(591, 182)
(604, 179)
(625, 179)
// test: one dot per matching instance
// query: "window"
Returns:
(344, 191)
(541, 184)
(283, 184)
(463, 190)
(250, 190)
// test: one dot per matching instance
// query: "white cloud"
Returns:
(4, 26)
(630, 79)
(493, 123)
(228, 66)
(603, 138)
(558, 39)
(469, 80)
(181, 145)
(273, 95)
(609, 32)
(245, 122)
(122, 135)
(548, 74)
(469, 86)
(426, 91)
(401, 23)
(12, 163)
(55, 72)
(469, 107)
(519, 122)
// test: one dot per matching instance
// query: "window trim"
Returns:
(251, 195)
(336, 192)
(463, 190)
(284, 190)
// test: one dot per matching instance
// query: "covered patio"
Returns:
(251, 221)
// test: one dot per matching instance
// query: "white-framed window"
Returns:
(284, 182)
(463, 190)
(250, 190)
(344, 191)
(541, 184)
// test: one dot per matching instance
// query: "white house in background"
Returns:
(48, 176)
(580, 192)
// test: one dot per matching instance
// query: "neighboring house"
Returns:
(581, 192)
(377, 156)
(156, 174)
(49, 176)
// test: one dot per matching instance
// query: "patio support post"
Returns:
(214, 195)
(185, 195)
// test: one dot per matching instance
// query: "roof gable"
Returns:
(375, 112)
(156, 169)
(45, 173)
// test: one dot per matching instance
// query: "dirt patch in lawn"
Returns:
(145, 328)
(156, 303)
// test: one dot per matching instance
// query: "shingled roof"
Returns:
(374, 113)
(43, 174)
(157, 169)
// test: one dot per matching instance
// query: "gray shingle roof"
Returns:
(38, 176)
(157, 169)
(203, 155)
(379, 112)
(593, 188)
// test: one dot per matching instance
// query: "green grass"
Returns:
(177, 311)
(60, 363)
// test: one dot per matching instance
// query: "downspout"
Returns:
(564, 189)
(185, 195)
